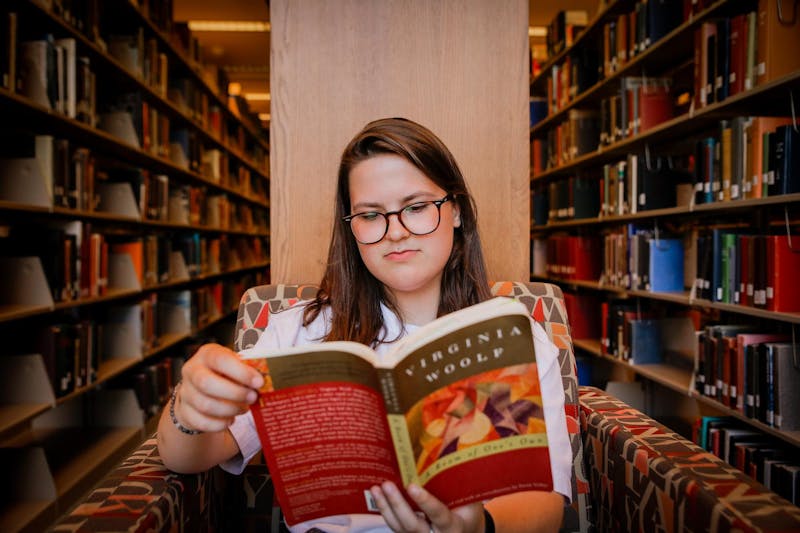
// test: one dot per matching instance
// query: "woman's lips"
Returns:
(400, 255)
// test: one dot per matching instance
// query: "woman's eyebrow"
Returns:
(413, 197)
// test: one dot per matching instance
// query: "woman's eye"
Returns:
(369, 217)
(415, 208)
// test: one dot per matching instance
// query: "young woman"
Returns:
(405, 249)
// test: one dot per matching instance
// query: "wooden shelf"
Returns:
(19, 312)
(735, 207)
(12, 416)
(684, 298)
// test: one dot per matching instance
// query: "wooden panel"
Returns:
(458, 67)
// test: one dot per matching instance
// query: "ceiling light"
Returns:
(257, 97)
(537, 31)
(229, 25)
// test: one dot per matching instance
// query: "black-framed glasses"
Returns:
(419, 218)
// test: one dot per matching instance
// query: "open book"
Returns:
(455, 406)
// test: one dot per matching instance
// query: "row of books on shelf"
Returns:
(142, 53)
(732, 53)
(569, 257)
(747, 158)
(631, 331)
(750, 371)
(764, 458)
(735, 53)
(741, 267)
(642, 259)
(55, 75)
(564, 28)
(76, 348)
(608, 50)
(44, 171)
(78, 261)
(732, 266)
(640, 104)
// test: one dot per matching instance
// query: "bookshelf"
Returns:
(133, 215)
(744, 214)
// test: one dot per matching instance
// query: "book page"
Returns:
(323, 426)
(466, 412)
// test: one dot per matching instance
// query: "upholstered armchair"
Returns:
(544, 301)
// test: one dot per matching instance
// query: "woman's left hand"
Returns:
(402, 518)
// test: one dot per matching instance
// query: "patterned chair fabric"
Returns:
(642, 476)
(140, 495)
(645, 477)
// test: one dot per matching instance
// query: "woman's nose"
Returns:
(396, 229)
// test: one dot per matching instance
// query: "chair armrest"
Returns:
(645, 477)
(140, 494)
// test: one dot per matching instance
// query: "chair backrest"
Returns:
(546, 305)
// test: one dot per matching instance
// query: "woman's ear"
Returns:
(456, 216)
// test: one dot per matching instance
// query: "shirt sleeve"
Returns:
(555, 418)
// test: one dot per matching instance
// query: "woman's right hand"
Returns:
(216, 386)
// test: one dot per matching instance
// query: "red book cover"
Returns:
(93, 264)
(729, 372)
(86, 270)
(699, 73)
(103, 281)
(456, 407)
(537, 165)
(582, 311)
(604, 340)
(655, 105)
(585, 258)
(783, 265)
(738, 54)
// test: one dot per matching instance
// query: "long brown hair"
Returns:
(353, 294)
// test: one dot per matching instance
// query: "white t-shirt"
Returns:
(286, 329)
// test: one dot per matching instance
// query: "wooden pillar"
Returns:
(459, 67)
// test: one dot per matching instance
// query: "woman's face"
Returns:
(406, 264)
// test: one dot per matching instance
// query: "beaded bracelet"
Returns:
(181, 427)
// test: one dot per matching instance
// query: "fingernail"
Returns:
(257, 382)
(251, 396)
(414, 490)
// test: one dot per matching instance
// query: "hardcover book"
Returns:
(455, 406)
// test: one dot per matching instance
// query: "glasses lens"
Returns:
(368, 227)
(420, 218)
